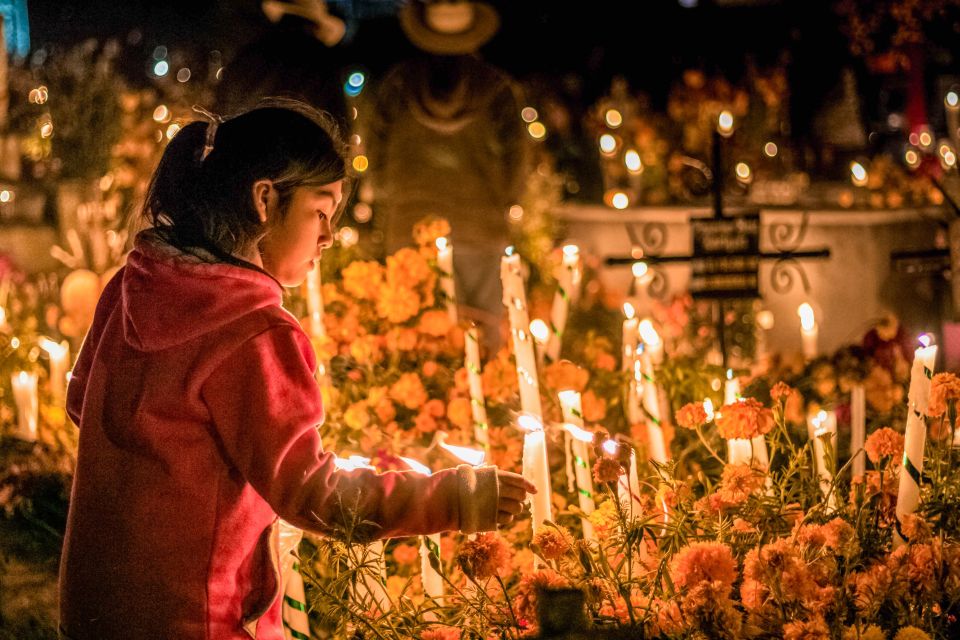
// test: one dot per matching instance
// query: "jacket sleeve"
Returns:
(266, 407)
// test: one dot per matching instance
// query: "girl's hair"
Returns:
(200, 198)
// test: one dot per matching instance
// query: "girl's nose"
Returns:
(325, 237)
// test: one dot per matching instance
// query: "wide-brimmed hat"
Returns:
(449, 27)
(328, 29)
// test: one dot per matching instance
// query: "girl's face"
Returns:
(290, 248)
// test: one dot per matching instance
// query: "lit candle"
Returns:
(765, 322)
(541, 335)
(630, 336)
(951, 102)
(28, 405)
(580, 443)
(515, 299)
(315, 302)
(59, 364)
(475, 380)
(858, 429)
(631, 363)
(429, 545)
(642, 276)
(822, 428)
(536, 468)
(651, 356)
(808, 331)
(568, 283)
(445, 266)
(738, 449)
(908, 496)
(370, 589)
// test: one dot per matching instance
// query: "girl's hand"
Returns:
(513, 493)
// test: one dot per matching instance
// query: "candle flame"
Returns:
(807, 319)
(639, 269)
(442, 243)
(473, 457)
(926, 340)
(529, 423)
(580, 434)
(509, 250)
(629, 311)
(729, 374)
(708, 408)
(648, 334)
(540, 331)
(858, 174)
(569, 398)
(610, 447)
(54, 349)
(23, 377)
(725, 122)
(818, 420)
(417, 466)
(571, 250)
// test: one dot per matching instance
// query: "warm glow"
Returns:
(516, 213)
(361, 163)
(161, 113)
(743, 172)
(540, 331)
(5, 196)
(614, 118)
(926, 140)
(54, 349)
(729, 374)
(949, 159)
(632, 159)
(569, 397)
(952, 99)
(620, 200)
(571, 250)
(770, 149)
(46, 129)
(765, 319)
(579, 434)
(529, 114)
(473, 457)
(807, 319)
(172, 130)
(419, 467)
(528, 423)
(608, 143)
(912, 158)
(640, 269)
(648, 334)
(708, 408)
(725, 123)
(348, 236)
(858, 174)
(23, 377)
(442, 243)
(14, 342)
(161, 68)
(509, 250)
(926, 340)
(537, 130)
(628, 310)
(610, 447)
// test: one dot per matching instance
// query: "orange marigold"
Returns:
(744, 420)
(594, 407)
(484, 557)
(408, 390)
(553, 542)
(441, 633)
(407, 268)
(703, 561)
(363, 279)
(884, 443)
(944, 388)
(398, 303)
(781, 390)
(564, 374)
(406, 554)
(607, 470)
(738, 482)
(525, 602)
(692, 415)
(435, 323)
(427, 230)
(500, 378)
(815, 628)
(460, 413)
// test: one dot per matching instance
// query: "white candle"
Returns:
(630, 336)
(445, 266)
(642, 276)
(808, 331)
(738, 449)
(908, 495)
(515, 299)
(59, 355)
(568, 282)
(951, 102)
(858, 429)
(822, 428)
(580, 443)
(475, 380)
(28, 405)
(536, 468)
(652, 356)
(541, 336)
(429, 545)
(315, 302)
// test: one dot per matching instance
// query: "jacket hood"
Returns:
(170, 297)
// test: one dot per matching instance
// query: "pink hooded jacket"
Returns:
(198, 415)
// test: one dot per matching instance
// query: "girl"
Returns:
(197, 406)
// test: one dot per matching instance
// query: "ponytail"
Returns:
(201, 192)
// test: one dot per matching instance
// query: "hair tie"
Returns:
(214, 122)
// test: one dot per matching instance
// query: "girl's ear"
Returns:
(264, 198)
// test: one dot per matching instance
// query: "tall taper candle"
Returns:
(858, 429)
(808, 331)
(568, 281)
(580, 442)
(59, 355)
(429, 546)
(536, 468)
(475, 380)
(28, 405)
(515, 299)
(445, 266)
(908, 496)
(823, 433)
(651, 356)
